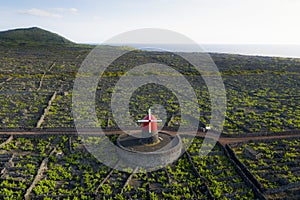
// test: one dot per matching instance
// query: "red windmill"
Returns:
(149, 124)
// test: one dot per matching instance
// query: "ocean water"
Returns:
(289, 51)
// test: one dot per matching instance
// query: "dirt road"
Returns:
(222, 140)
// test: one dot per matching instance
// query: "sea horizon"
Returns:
(267, 50)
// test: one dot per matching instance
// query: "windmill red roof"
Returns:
(149, 119)
(153, 123)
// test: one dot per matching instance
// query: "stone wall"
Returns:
(149, 160)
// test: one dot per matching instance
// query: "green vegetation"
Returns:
(71, 170)
(277, 166)
(262, 96)
(262, 93)
(19, 161)
(32, 36)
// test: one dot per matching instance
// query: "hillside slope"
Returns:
(32, 36)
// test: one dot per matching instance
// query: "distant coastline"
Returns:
(288, 51)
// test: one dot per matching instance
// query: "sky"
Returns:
(204, 21)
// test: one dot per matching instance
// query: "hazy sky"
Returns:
(205, 21)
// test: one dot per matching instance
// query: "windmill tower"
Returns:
(149, 129)
(153, 150)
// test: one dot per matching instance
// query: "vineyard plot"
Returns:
(22, 110)
(223, 179)
(262, 93)
(59, 166)
(274, 164)
(20, 160)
